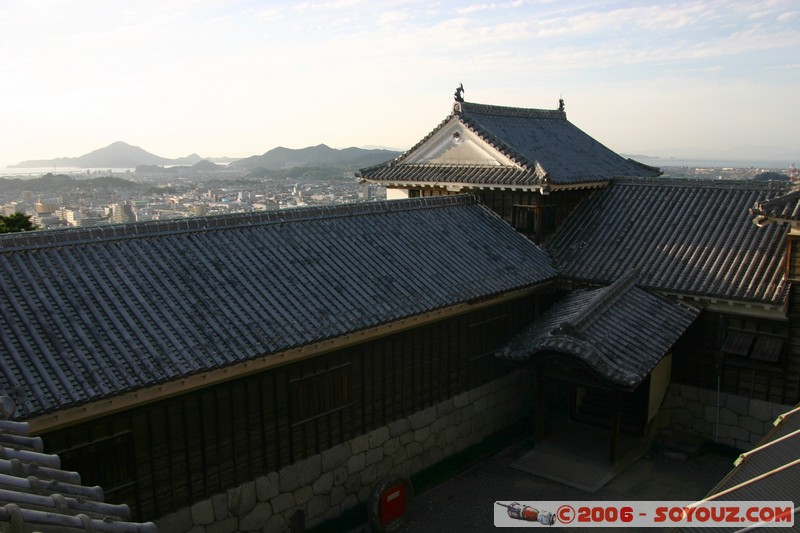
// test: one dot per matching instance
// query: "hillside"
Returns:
(347, 159)
(115, 155)
(60, 183)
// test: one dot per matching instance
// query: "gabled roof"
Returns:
(534, 147)
(621, 332)
(691, 237)
(37, 495)
(91, 313)
(770, 472)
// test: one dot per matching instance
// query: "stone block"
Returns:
(726, 416)
(398, 427)
(369, 475)
(464, 429)
(378, 437)
(406, 437)
(423, 418)
(359, 444)
(710, 413)
(753, 426)
(422, 434)
(339, 475)
(760, 410)
(282, 502)
(363, 494)
(316, 508)
(353, 483)
(203, 513)
(267, 487)
(324, 484)
(289, 478)
(738, 404)
(256, 519)
(349, 502)
(336, 456)
(385, 466)
(707, 396)
(308, 470)
(242, 499)
(224, 526)
(391, 446)
(739, 434)
(438, 425)
(177, 522)
(338, 495)
(413, 449)
(356, 463)
(220, 504)
(276, 524)
(689, 392)
(374, 456)
(727, 441)
(451, 434)
(703, 427)
(461, 400)
(303, 495)
(697, 410)
(723, 430)
(444, 408)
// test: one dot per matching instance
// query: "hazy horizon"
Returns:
(710, 80)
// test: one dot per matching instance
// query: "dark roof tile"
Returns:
(91, 313)
(545, 146)
(691, 237)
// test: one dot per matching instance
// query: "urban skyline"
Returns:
(715, 79)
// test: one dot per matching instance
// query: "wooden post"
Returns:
(541, 402)
(615, 426)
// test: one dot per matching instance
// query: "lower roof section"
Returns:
(37, 495)
(93, 313)
(619, 332)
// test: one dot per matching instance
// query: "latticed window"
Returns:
(320, 393)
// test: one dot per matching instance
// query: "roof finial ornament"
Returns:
(561, 104)
(459, 95)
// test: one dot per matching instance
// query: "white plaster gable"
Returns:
(455, 144)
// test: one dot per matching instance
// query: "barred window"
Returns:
(320, 393)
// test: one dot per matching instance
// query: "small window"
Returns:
(738, 343)
(320, 393)
(768, 349)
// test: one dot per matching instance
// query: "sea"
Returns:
(38, 172)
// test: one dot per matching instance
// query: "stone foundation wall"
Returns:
(740, 421)
(325, 485)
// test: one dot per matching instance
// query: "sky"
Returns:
(238, 78)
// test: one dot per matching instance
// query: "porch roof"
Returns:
(620, 331)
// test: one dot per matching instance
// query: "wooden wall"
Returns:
(535, 215)
(164, 456)
(708, 353)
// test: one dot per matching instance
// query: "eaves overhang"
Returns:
(128, 400)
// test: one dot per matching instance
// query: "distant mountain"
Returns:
(281, 158)
(115, 155)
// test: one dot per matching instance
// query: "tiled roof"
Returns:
(545, 146)
(91, 313)
(781, 208)
(692, 237)
(770, 472)
(621, 332)
(36, 495)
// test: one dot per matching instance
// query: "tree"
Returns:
(16, 222)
